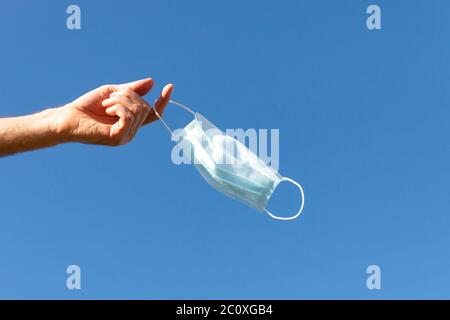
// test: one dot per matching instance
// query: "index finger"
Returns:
(141, 87)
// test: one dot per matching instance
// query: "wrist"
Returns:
(55, 126)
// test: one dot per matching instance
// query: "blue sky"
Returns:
(363, 120)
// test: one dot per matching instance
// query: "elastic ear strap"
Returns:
(162, 120)
(175, 103)
(301, 207)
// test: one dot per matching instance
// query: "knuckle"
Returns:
(145, 109)
(115, 141)
(120, 94)
(136, 108)
(128, 91)
(141, 106)
(105, 89)
(144, 105)
(118, 140)
(129, 116)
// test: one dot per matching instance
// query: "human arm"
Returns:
(109, 115)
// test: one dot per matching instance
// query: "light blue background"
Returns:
(363, 118)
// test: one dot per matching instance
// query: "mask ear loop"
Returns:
(301, 207)
(175, 103)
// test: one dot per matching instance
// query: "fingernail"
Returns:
(167, 89)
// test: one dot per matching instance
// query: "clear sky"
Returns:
(363, 119)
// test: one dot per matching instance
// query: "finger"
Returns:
(120, 99)
(134, 103)
(111, 111)
(160, 104)
(145, 110)
(128, 92)
(123, 126)
(139, 119)
(141, 87)
(128, 98)
(141, 109)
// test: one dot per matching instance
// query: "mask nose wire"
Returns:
(175, 103)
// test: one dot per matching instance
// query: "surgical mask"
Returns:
(229, 166)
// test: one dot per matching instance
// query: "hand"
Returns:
(111, 114)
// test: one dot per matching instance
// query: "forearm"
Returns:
(30, 132)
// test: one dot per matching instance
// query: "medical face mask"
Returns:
(229, 166)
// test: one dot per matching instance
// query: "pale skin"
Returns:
(110, 115)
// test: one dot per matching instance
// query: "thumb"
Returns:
(160, 104)
(141, 87)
